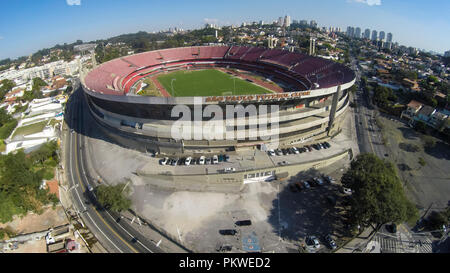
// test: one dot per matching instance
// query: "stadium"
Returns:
(134, 97)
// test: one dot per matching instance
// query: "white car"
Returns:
(271, 152)
(296, 151)
(229, 170)
(201, 161)
(313, 241)
(164, 161)
(347, 191)
(215, 159)
(188, 161)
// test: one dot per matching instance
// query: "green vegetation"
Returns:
(20, 179)
(436, 219)
(422, 162)
(209, 82)
(21, 108)
(113, 197)
(6, 86)
(30, 129)
(378, 196)
(7, 124)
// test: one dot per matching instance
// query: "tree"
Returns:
(378, 197)
(420, 126)
(437, 219)
(113, 198)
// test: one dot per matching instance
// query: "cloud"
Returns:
(368, 2)
(1, 37)
(73, 2)
(210, 21)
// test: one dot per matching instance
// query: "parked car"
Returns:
(188, 160)
(164, 161)
(215, 159)
(224, 248)
(279, 152)
(293, 187)
(329, 179)
(312, 241)
(227, 158)
(319, 181)
(347, 191)
(228, 231)
(285, 151)
(229, 170)
(299, 186)
(331, 243)
(201, 161)
(327, 144)
(271, 152)
(174, 162)
(306, 184)
(244, 223)
(296, 151)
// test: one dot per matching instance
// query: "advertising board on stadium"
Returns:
(258, 98)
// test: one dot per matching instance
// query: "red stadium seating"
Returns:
(300, 70)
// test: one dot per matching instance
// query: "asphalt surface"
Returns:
(115, 235)
(369, 136)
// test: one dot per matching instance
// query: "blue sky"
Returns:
(29, 25)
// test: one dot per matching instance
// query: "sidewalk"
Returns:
(358, 244)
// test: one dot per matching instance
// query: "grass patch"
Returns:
(30, 129)
(2, 146)
(208, 82)
(422, 162)
(7, 129)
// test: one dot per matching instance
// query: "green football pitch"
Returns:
(208, 82)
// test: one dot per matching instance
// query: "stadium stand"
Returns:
(300, 70)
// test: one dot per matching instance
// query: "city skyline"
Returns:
(71, 20)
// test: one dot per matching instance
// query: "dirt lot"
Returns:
(34, 223)
(428, 182)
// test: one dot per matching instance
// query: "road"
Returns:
(115, 235)
(369, 136)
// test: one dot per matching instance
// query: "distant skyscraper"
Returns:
(389, 37)
(447, 54)
(280, 21)
(367, 33)
(358, 32)
(374, 35)
(303, 22)
(313, 23)
(382, 35)
(350, 31)
(295, 22)
(287, 21)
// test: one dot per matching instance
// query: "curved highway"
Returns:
(115, 235)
